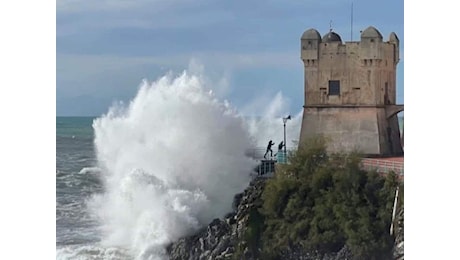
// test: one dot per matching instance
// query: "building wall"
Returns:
(345, 129)
(361, 129)
(355, 119)
(362, 80)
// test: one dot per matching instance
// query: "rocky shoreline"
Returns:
(224, 239)
(221, 239)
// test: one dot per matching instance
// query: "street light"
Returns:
(285, 119)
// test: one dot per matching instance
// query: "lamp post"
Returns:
(285, 119)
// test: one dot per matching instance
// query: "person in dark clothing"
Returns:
(280, 147)
(269, 148)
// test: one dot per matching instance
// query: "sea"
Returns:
(146, 173)
(77, 179)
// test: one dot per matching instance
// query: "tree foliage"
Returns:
(323, 201)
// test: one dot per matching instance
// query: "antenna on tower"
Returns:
(351, 33)
(330, 25)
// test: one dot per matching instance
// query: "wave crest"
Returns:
(172, 161)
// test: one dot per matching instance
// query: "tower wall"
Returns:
(347, 87)
(362, 129)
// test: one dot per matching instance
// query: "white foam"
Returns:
(91, 252)
(171, 161)
(89, 170)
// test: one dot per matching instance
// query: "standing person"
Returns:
(281, 158)
(280, 147)
(269, 148)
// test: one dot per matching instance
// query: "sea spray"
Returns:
(171, 161)
(269, 125)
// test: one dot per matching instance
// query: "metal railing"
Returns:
(380, 165)
(258, 153)
(266, 166)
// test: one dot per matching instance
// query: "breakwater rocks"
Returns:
(227, 238)
(222, 239)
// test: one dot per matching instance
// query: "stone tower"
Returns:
(350, 92)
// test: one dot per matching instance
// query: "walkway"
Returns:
(382, 165)
(385, 165)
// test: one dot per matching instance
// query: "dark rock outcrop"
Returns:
(225, 239)
(221, 239)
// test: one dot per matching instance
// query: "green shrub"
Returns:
(323, 201)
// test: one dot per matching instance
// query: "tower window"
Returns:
(334, 87)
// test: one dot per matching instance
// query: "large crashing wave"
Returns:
(172, 160)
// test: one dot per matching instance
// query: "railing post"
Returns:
(394, 210)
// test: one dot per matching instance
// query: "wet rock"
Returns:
(221, 238)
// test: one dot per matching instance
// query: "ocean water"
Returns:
(76, 181)
(75, 178)
(146, 173)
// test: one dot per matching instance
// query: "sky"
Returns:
(250, 50)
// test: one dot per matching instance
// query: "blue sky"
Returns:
(250, 49)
